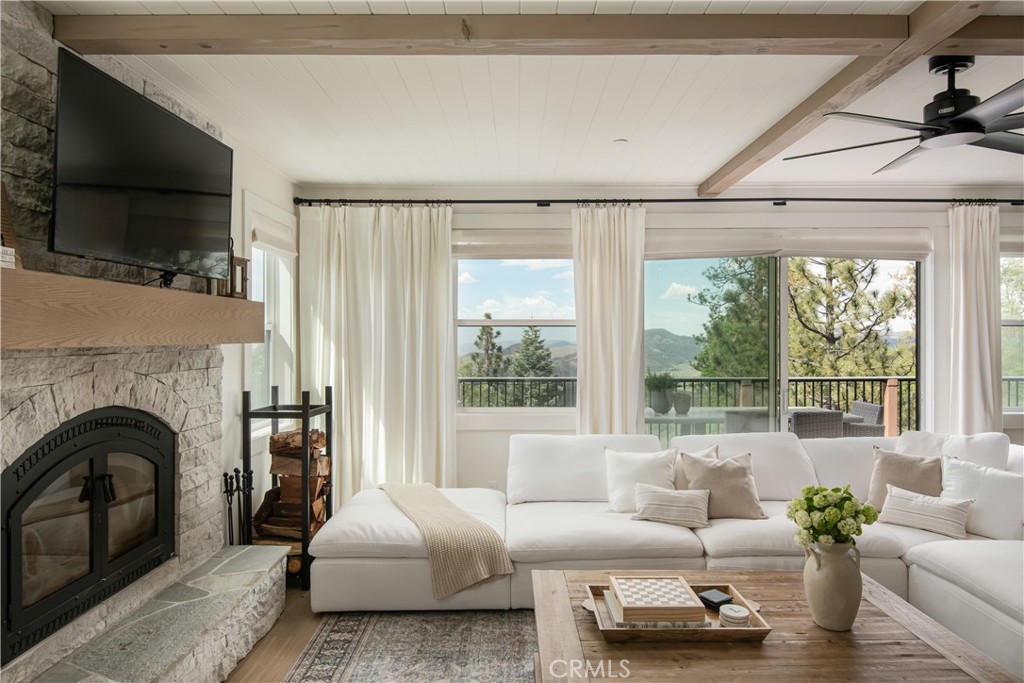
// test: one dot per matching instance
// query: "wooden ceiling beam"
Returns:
(928, 25)
(991, 36)
(675, 34)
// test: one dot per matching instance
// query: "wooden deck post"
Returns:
(890, 401)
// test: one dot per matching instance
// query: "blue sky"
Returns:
(542, 289)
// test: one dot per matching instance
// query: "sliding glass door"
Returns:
(821, 346)
(711, 345)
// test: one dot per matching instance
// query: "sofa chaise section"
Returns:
(370, 556)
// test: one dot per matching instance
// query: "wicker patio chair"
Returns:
(817, 424)
(872, 425)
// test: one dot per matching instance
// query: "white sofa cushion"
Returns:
(774, 536)
(369, 524)
(626, 470)
(988, 449)
(781, 466)
(846, 461)
(989, 570)
(688, 507)
(998, 510)
(545, 467)
(946, 516)
(543, 532)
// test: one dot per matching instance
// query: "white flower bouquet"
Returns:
(826, 516)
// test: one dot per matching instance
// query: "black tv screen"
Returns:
(133, 183)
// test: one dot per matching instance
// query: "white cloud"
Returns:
(537, 263)
(566, 275)
(678, 291)
(535, 307)
(467, 279)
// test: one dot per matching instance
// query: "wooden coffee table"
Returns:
(890, 641)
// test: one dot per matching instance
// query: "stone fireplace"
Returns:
(158, 410)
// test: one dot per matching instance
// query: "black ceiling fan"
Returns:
(953, 117)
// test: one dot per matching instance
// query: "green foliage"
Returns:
(533, 357)
(826, 516)
(735, 338)
(1011, 278)
(840, 323)
(489, 360)
(660, 381)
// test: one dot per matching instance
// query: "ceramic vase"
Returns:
(833, 585)
(660, 402)
(681, 402)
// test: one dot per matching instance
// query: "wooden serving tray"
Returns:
(757, 631)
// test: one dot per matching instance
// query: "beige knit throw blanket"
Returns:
(462, 550)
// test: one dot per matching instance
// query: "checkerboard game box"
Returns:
(656, 598)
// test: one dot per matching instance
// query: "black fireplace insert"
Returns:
(87, 510)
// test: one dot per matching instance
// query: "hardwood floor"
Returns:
(277, 651)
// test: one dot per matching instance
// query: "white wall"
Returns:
(251, 174)
(482, 436)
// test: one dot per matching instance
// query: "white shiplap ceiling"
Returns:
(537, 120)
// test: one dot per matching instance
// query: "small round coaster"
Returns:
(733, 615)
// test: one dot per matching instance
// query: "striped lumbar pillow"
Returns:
(946, 516)
(687, 508)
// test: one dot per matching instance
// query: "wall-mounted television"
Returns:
(134, 183)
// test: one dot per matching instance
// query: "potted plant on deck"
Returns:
(660, 385)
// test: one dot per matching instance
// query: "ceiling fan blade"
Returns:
(1008, 122)
(881, 121)
(1004, 142)
(900, 160)
(996, 106)
(843, 149)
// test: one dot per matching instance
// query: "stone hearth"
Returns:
(181, 386)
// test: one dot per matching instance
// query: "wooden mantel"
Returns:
(47, 310)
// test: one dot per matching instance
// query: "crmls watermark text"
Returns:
(579, 668)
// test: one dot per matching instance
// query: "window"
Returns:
(730, 346)
(260, 354)
(516, 333)
(708, 345)
(1011, 289)
(271, 233)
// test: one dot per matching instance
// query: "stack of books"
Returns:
(656, 602)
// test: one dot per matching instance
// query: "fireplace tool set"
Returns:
(241, 484)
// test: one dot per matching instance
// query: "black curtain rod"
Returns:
(776, 201)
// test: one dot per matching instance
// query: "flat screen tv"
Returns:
(133, 183)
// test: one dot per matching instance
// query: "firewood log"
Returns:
(293, 440)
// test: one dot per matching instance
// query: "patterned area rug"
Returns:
(409, 647)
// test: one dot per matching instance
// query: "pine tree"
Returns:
(735, 338)
(533, 357)
(490, 360)
(840, 324)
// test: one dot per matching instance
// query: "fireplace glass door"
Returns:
(56, 536)
(129, 491)
(86, 511)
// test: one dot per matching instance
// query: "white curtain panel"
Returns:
(608, 258)
(975, 352)
(376, 322)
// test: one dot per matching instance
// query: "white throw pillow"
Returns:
(709, 452)
(626, 470)
(668, 506)
(946, 516)
(998, 510)
(988, 449)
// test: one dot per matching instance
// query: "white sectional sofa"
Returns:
(556, 515)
